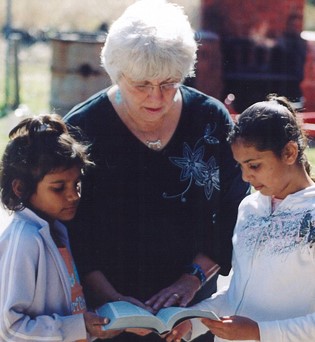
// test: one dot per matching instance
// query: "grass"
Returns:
(51, 16)
(68, 16)
(309, 15)
(34, 78)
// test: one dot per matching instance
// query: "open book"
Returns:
(126, 315)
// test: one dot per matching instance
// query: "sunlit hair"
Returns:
(37, 146)
(269, 126)
(152, 39)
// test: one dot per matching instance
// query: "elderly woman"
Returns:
(159, 208)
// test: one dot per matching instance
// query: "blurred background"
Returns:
(39, 56)
(50, 53)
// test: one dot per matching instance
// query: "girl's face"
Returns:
(57, 195)
(266, 172)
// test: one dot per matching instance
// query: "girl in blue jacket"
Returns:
(41, 298)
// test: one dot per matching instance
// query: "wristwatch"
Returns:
(196, 270)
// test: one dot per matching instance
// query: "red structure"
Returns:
(242, 52)
(308, 83)
(243, 18)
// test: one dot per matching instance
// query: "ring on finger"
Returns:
(176, 295)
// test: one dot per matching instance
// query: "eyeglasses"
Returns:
(148, 88)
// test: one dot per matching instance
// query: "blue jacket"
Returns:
(35, 289)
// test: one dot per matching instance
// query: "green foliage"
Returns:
(310, 152)
(309, 15)
(3, 110)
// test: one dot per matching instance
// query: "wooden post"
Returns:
(16, 69)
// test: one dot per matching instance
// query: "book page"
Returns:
(126, 315)
(167, 314)
(125, 309)
(173, 315)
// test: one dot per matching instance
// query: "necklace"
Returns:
(155, 144)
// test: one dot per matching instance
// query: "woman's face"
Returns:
(266, 172)
(148, 101)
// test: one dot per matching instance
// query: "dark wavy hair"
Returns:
(36, 147)
(270, 125)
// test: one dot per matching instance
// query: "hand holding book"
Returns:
(125, 315)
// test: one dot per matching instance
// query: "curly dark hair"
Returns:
(37, 146)
(270, 125)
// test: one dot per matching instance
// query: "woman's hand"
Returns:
(179, 293)
(234, 328)
(104, 292)
(179, 332)
(93, 324)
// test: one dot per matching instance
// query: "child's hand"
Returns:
(179, 332)
(94, 323)
(233, 328)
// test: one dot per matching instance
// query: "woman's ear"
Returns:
(290, 152)
(18, 187)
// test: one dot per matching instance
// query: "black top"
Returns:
(145, 214)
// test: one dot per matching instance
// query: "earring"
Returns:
(118, 98)
(176, 97)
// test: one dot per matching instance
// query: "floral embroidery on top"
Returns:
(275, 235)
(194, 168)
(308, 227)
